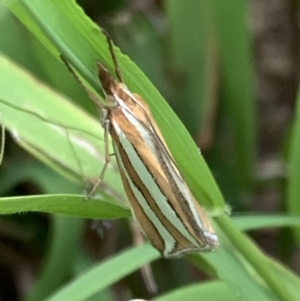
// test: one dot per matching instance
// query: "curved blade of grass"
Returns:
(106, 273)
(64, 204)
(208, 291)
(254, 222)
(66, 231)
(231, 267)
(256, 259)
(287, 277)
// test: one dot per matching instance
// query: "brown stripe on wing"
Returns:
(163, 154)
(157, 166)
(182, 203)
(141, 217)
(149, 120)
(182, 242)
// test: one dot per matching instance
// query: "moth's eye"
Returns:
(111, 101)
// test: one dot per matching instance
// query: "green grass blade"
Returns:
(236, 83)
(293, 187)
(208, 291)
(64, 204)
(189, 54)
(66, 231)
(254, 222)
(106, 273)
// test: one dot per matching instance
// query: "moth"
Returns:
(160, 200)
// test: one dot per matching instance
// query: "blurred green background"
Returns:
(229, 71)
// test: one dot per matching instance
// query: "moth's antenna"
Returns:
(90, 94)
(113, 55)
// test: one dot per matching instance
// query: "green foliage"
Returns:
(49, 116)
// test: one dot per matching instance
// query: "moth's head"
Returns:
(107, 81)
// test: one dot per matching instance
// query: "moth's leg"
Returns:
(105, 124)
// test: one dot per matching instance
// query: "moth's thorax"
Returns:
(117, 92)
(105, 78)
